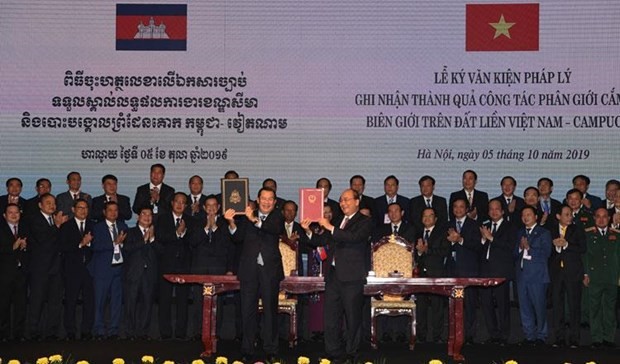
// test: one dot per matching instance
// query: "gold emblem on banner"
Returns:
(312, 198)
(235, 197)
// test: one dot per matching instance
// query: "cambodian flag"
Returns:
(151, 27)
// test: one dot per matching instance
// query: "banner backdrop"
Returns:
(298, 90)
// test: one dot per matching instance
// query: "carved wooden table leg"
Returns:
(209, 317)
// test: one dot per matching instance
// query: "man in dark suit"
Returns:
(346, 273)
(271, 183)
(464, 236)
(582, 183)
(173, 230)
(499, 241)
(611, 187)
(390, 187)
(427, 198)
(566, 271)
(432, 250)
(45, 271)
(511, 204)
(533, 251)
(396, 225)
(140, 274)
(477, 202)
(549, 206)
(75, 237)
(106, 270)
(196, 200)
(395, 328)
(43, 187)
(367, 204)
(13, 274)
(65, 200)
(212, 253)
(326, 185)
(109, 183)
(260, 270)
(13, 194)
(582, 215)
(155, 194)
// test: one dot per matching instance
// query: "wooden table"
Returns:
(453, 288)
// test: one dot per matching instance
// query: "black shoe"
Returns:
(420, 339)
(99, 337)
(70, 337)
(113, 337)
(165, 338)
(401, 338)
(527, 343)
(539, 342)
(595, 345)
(51, 338)
(86, 336)
(557, 344)
(609, 344)
(573, 345)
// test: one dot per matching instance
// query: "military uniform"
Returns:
(602, 265)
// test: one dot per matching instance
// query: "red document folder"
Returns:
(310, 204)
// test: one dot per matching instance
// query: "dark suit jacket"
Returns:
(31, 206)
(381, 205)
(264, 240)
(595, 201)
(140, 258)
(481, 203)
(64, 202)
(568, 260)
(418, 204)
(174, 251)
(199, 216)
(501, 251)
(103, 249)
(350, 247)
(75, 259)
(515, 216)
(406, 230)
(124, 208)
(534, 270)
(143, 198)
(555, 207)
(367, 202)
(214, 254)
(43, 246)
(433, 262)
(4, 200)
(10, 259)
(465, 259)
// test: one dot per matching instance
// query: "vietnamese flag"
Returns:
(501, 27)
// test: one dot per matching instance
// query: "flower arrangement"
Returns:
(147, 359)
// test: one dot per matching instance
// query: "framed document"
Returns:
(311, 204)
(235, 194)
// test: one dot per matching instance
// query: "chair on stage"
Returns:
(392, 257)
(288, 304)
